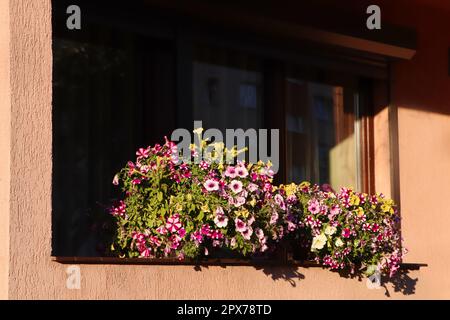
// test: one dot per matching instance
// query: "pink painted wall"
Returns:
(420, 89)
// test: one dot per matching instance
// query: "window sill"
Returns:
(205, 262)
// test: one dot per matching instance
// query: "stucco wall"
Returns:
(420, 88)
(5, 138)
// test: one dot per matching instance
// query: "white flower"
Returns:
(338, 242)
(319, 242)
(221, 221)
(330, 230)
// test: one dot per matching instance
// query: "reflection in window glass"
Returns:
(321, 142)
(226, 90)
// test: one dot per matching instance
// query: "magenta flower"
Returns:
(216, 235)
(136, 181)
(346, 233)
(155, 240)
(173, 223)
(240, 225)
(211, 185)
(119, 210)
(142, 153)
(204, 165)
(197, 236)
(182, 232)
(145, 253)
(206, 230)
(161, 230)
(235, 186)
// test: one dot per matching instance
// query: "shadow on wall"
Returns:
(401, 282)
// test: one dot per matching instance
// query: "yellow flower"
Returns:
(253, 202)
(304, 184)
(290, 189)
(360, 212)
(354, 200)
(242, 212)
(205, 208)
(386, 208)
(179, 207)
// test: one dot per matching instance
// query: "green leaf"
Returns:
(200, 216)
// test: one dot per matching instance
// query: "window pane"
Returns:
(227, 89)
(321, 141)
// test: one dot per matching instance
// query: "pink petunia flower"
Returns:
(274, 217)
(239, 201)
(221, 221)
(252, 187)
(247, 233)
(259, 233)
(334, 211)
(211, 185)
(313, 206)
(241, 171)
(235, 186)
(280, 202)
(230, 172)
(240, 225)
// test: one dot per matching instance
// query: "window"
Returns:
(125, 81)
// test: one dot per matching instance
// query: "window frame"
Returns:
(184, 38)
